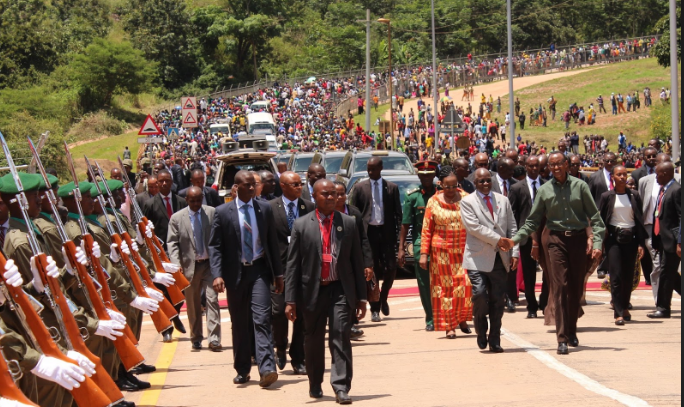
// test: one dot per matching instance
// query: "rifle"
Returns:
(166, 306)
(153, 244)
(89, 393)
(161, 321)
(129, 354)
(8, 388)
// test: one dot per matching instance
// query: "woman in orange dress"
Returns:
(443, 238)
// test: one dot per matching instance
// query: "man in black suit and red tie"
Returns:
(325, 278)
(286, 209)
(379, 203)
(667, 219)
(245, 261)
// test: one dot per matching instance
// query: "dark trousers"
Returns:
(281, 327)
(423, 279)
(566, 259)
(384, 261)
(621, 260)
(670, 280)
(249, 305)
(488, 298)
(512, 285)
(332, 310)
(529, 268)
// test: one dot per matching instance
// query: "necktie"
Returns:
(2, 237)
(377, 211)
(534, 190)
(197, 231)
(326, 249)
(656, 215)
(489, 205)
(290, 215)
(169, 210)
(650, 170)
(505, 188)
(610, 182)
(247, 248)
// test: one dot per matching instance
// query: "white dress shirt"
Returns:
(376, 219)
(501, 182)
(256, 241)
(529, 185)
(648, 215)
(607, 177)
(295, 209)
(196, 221)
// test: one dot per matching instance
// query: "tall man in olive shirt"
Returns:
(568, 206)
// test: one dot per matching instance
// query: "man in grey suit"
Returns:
(187, 242)
(489, 223)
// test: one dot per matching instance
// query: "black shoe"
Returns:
(124, 385)
(562, 348)
(375, 317)
(167, 335)
(179, 325)
(268, 378)
(531, 315)
(342, 397)
(510, 306)
(196, 345)
(482, 341)
(143, 368)
(600, 274)
(281, 359)
(137, 382)
(619, 321)
(465, 330)
(356, 332)
(573, 341)
(659, 314)
(629, 306)
(316, 393)
(215, 347)
(495, 348)
(241, 379)
(384, 307)
(299, 369)
(125, 403)
(430, 328)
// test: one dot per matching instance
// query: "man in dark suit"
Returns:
(325, 278)
(209, 195)
(268, 185)
(649, 166)
(521, 198)
(245, 260)
(378, 201)
(159, 210)
(666, 229)
(602, 181)
(503, 180)
(179, 173)
(575, 165)
(462, 170)
(481, 160)
(287, 209)
(313, 174)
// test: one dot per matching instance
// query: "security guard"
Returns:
(414, 210)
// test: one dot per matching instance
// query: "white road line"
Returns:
(572, 374)
(412, 309)
(186, 317)
(636, 297)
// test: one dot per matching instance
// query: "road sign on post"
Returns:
(452, 123)
(172, 133)
(149, 127)
(189, 105)
(150, 140)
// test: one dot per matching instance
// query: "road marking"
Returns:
(412, 309)
(398, 302)
(158, 378)
(186, 317)
(635, 297)
(572, 374)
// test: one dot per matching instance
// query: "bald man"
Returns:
(313, 174)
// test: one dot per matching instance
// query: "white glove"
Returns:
(97, 252)
(109, 329)
(116, 316)
(11, 403)
(150, 228)
(82, 361)
(134, 246)
(154, 294)
(37, 281)
(12, 275)
(114, 254)
(80, 257)
(67, 375)
(171, 267)
(165, 279)
(146, 305)
(139, 236)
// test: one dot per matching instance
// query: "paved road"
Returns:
(399, 364)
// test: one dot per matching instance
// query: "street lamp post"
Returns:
(389, 52)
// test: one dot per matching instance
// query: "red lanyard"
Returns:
(326, 236)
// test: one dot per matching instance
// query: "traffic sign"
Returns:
(189, 118)
(149, 127)
(452, 123)
(150, 140)
(189, 102)
(172, 133)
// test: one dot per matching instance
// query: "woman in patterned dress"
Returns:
(443, 238)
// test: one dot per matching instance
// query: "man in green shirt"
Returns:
(569, 208)
(414, 210)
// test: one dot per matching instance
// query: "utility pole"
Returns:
(511, 99)
(674, 81)
(389, 57)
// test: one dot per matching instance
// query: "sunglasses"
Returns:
(296, 184)
(449, 187)
(485, 181)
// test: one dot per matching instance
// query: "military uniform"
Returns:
(16, 348)
(413, 213)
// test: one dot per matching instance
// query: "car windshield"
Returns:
(332, 164)
(302, 164)
(388, 163)
(260, 126)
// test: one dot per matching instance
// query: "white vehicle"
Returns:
(260, 123)
(223, 128)
(261, 105)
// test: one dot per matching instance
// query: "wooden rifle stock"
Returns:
(102, 279)
(88, 394)
(9, 389)
(129, 354)
(161, 321)
(101, 377)
(181, 282)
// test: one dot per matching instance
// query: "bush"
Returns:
(94, 125)
(661, 120)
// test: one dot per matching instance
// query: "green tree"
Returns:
(106, 68)
(662, 48)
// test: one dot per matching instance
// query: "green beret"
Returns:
(54, 181)
(30, 182)
(67, 190)
(113, 184)
(93, 190)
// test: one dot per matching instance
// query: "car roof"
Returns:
(246, 156)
